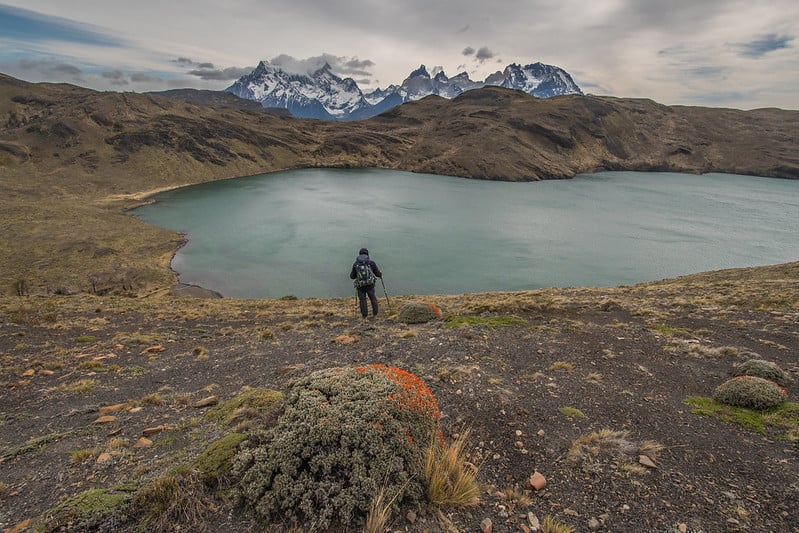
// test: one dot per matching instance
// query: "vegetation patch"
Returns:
(457, 321)
(763, 369)
(173, 502)
(345, 434)
(572, 412)
(750, 391)
(785, 417)
(450, 478)
(263, 404)
(418, 312)
(87, 511)
(215, 462)
(611, 448)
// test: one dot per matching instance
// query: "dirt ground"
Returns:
(578, 361)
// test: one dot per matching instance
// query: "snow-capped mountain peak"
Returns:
(322, 94)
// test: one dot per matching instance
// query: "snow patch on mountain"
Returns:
(324, 95)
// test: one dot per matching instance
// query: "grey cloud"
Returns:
(140, 77)
(484, 54)
(762, 45)
(49, 67)
(230, 73)
(186, 62)
(341, 66)
(468, 51)
(113, 75)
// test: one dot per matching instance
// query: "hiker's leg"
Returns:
(362, 302)
(372, 298)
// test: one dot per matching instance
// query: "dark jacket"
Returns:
(372, 265)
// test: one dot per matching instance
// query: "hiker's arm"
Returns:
(376, 270)
(353, 275)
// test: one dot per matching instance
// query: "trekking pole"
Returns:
(386, 293)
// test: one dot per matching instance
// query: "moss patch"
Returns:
(215, 462)
(785, 417)
(261, 400)
(88, 509)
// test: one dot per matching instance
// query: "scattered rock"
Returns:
(683, 528)
(153, 430)
(154, 349)
(103, 457)
(143, 442)
(537, 480)
(532, 519)
(206, 402)
(594, 524)
(106, 419)
(111, 408)
(486, 526)
(646, 461)
(410, 516)
(28, 373)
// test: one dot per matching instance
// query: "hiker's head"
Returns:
(363, 251)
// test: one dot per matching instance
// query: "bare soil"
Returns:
(626, 358)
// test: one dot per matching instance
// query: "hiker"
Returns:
(365, 272)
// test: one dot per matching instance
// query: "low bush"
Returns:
(418, 313)
(750, 391)
(345, 434)
(762, 369)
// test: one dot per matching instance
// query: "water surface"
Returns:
(298, 232)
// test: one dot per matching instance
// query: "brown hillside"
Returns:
(77, 158)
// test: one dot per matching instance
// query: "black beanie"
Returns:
(363, 251)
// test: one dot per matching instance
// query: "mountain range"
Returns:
(323, 95)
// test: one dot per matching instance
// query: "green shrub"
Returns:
(762, 369)
(418, 313)
(345, 434)
(750, 391)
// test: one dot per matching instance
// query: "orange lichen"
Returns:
(413, 394)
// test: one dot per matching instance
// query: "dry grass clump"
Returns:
(763, 369)
(750, 391)
(450, 478)
(609, 446)
(172, 502)
(551, 525)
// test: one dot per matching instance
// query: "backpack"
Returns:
(364, 276)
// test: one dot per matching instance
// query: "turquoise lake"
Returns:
(298, 232)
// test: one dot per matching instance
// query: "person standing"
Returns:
(364, 273)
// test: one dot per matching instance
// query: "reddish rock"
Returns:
(537, 480)
(106, 419)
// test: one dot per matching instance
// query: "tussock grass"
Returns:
(81, 386)
(561, 365)
(173, 500)
(450, 478)
(551, 525)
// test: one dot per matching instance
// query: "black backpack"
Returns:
(364, 276)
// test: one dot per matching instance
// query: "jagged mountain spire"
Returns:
(324, 95)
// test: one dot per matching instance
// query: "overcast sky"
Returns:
(720, 53)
